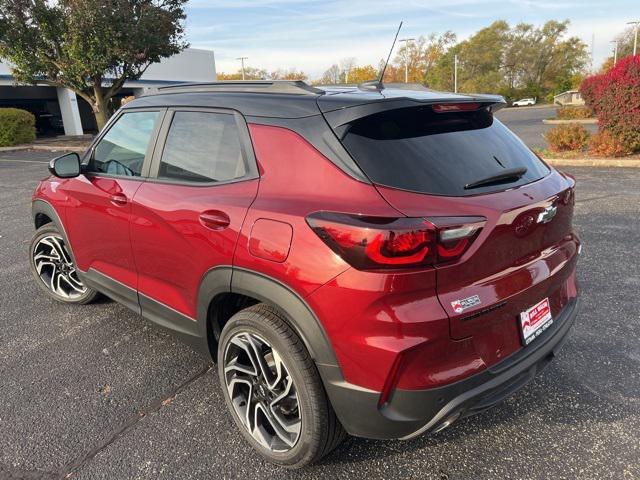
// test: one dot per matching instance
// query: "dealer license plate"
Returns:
(535, 320)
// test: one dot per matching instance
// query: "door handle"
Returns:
(119, 199)
(214, 220)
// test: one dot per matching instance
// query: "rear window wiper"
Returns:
(506, 176)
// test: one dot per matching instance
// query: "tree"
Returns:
(346, 64)
(625, 48)
(363, 74)
(331, 75)
(291, 74)
(250, 73)
(421, 55)
(91, 47)
(513, 61)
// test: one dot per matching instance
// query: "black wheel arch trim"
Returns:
(40, 206)
(300, 316)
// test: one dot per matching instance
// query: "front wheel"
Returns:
(53, 268)
(273, 390)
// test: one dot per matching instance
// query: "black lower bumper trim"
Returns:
(412, 412)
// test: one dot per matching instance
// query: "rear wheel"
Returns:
(273, 389)
(53, 268)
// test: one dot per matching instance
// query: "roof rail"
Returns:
(293, 87)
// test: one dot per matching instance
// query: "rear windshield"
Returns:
(420, 150)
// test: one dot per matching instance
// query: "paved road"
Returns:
(526, 122)
(97, 392)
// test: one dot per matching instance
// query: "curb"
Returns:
(594, 162)
(58, 148)
(44, 148)
(582, 121)
(15, 148)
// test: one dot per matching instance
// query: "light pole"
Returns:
(242, 59)
(406, 57)
(455, 73)
(635, 36)
(615, 51)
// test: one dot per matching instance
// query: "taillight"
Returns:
(370, 243)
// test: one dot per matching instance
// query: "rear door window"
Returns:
(423, 151)
(202, 147)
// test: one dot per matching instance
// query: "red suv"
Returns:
(372, 261)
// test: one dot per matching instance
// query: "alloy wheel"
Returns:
(55, 268)
(262, 392)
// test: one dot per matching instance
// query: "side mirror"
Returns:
(66, 166)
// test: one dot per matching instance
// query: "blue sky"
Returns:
(312, 35)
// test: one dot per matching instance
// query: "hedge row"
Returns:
(615, 98)
(574, 137)
(16, 126)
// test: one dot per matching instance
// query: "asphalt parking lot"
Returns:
(95, 392)
(526, 122)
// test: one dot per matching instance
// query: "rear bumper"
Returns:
(412, 412)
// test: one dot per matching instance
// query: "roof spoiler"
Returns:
(342, 116)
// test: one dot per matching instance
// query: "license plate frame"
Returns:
(534, 321)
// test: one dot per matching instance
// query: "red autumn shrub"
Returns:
(608, 145)
(615, 97)
(564, 138)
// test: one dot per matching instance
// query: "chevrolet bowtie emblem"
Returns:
(547, 214)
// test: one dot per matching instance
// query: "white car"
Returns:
(524, 102)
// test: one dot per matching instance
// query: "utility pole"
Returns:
(242, 59)
(455, 73)
(615, 51)
(406, 57)
(635, 36)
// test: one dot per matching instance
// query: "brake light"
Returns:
(371, 243)
(455, 107)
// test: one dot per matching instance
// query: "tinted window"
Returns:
(202, 147)
(439, 153)
(122, 150)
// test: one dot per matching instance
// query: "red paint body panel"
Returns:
(98, 227)
(514, 260)
(297, 180)
(172, 248)
(270, 240)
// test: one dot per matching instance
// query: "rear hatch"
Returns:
(446, 160)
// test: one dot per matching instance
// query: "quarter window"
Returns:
(123, 148)
(202, 147)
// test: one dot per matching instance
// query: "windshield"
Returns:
(438, 153)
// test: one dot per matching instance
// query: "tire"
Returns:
(262, 328)
(53, 268)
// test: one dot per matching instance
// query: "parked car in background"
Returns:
(524, 102)
(377, 262)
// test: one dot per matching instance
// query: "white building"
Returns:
(570, 97)
(60, 108)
